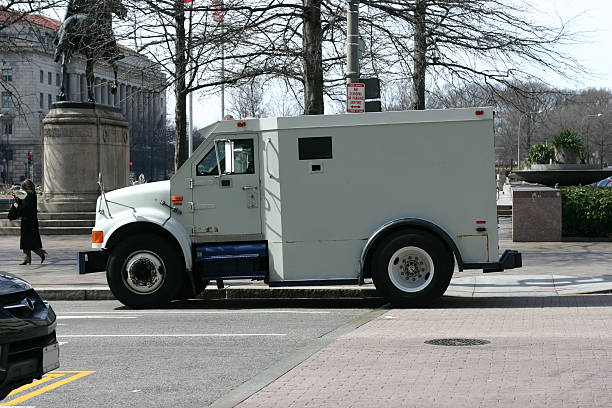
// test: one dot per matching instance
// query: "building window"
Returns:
(7, 127)
(7, 100)
(49, 78)
(7, 74)
(49, 101)
(57, 81)
(42, 77)
(42, 101)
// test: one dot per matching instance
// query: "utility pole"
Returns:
(352, 41)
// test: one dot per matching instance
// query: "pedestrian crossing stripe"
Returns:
(53, 380)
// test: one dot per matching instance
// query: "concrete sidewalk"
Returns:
(549, 268)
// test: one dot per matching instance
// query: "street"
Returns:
(186, 357)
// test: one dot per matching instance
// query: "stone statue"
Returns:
(87, 29)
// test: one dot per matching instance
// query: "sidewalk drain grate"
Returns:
(457, 342)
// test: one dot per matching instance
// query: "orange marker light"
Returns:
(97, 237)
(177, 198)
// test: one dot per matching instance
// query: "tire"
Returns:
(144, 270)
(412, 268)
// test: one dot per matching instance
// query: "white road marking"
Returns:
(185, 312)
(173, 335)
(96, 317)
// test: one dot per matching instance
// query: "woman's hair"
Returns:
(28, 186)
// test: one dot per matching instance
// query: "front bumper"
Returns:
(29, 347)
(91, 261)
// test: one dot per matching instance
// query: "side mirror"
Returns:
(224, 149)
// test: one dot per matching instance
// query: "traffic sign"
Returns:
(355, 98)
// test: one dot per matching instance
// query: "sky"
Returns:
(592, 18)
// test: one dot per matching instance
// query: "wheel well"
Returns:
(424, 227)
(144, 228)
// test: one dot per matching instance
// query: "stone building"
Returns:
(30, 83)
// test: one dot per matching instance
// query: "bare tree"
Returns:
(248, 100)
(492, 42)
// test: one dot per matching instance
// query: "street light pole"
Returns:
(595, 115)
(518, 138)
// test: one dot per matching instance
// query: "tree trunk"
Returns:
(180, 109)
(420, 54)
(312, 58)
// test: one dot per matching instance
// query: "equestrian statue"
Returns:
(87, 29)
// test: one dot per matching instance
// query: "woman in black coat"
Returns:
(30, 237)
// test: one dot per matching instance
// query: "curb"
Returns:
(278, 293)
(226, 293)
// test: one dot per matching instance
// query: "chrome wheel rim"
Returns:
(411, 269)
(144, 272)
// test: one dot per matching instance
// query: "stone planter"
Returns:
(566, 155)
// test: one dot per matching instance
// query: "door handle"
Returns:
(249, 188)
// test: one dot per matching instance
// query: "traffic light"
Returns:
(29, 158)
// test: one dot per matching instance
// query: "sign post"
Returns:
(355, 97)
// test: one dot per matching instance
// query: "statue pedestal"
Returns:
(81, 140)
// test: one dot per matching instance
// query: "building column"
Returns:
(128, 105)
(103, 92)
(97, 90)
(122, 101)
(83, 81)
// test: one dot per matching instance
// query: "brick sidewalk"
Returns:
(543, 352)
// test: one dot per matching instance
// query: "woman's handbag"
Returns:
(13, 214)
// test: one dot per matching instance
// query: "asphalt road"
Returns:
(186, 357)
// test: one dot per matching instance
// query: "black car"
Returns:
(28, 346)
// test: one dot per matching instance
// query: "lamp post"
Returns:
(595, 115)
(518, 138)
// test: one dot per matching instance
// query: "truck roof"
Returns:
(355, 119)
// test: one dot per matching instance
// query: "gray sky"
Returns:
(590, 17)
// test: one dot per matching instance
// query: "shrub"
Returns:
(568, 139)
(540, 154)
(587, 211)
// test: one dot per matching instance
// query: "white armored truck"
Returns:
(398, 197)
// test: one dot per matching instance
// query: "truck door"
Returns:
(226, 190)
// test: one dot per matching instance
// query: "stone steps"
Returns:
(504, 211)
(49, 231)
(68, 223)
(51, 223)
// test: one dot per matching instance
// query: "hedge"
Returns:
(587, 211)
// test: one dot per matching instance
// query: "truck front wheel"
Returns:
(412, 268)
(144, 271)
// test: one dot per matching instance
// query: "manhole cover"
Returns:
(457, 342)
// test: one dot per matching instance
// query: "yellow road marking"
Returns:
(46, 377)
(76, 376)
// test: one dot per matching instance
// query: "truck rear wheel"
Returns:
(412, 268)
(144, 271)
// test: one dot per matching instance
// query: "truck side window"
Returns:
(243, 159)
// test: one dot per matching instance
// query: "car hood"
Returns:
(12, 284)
